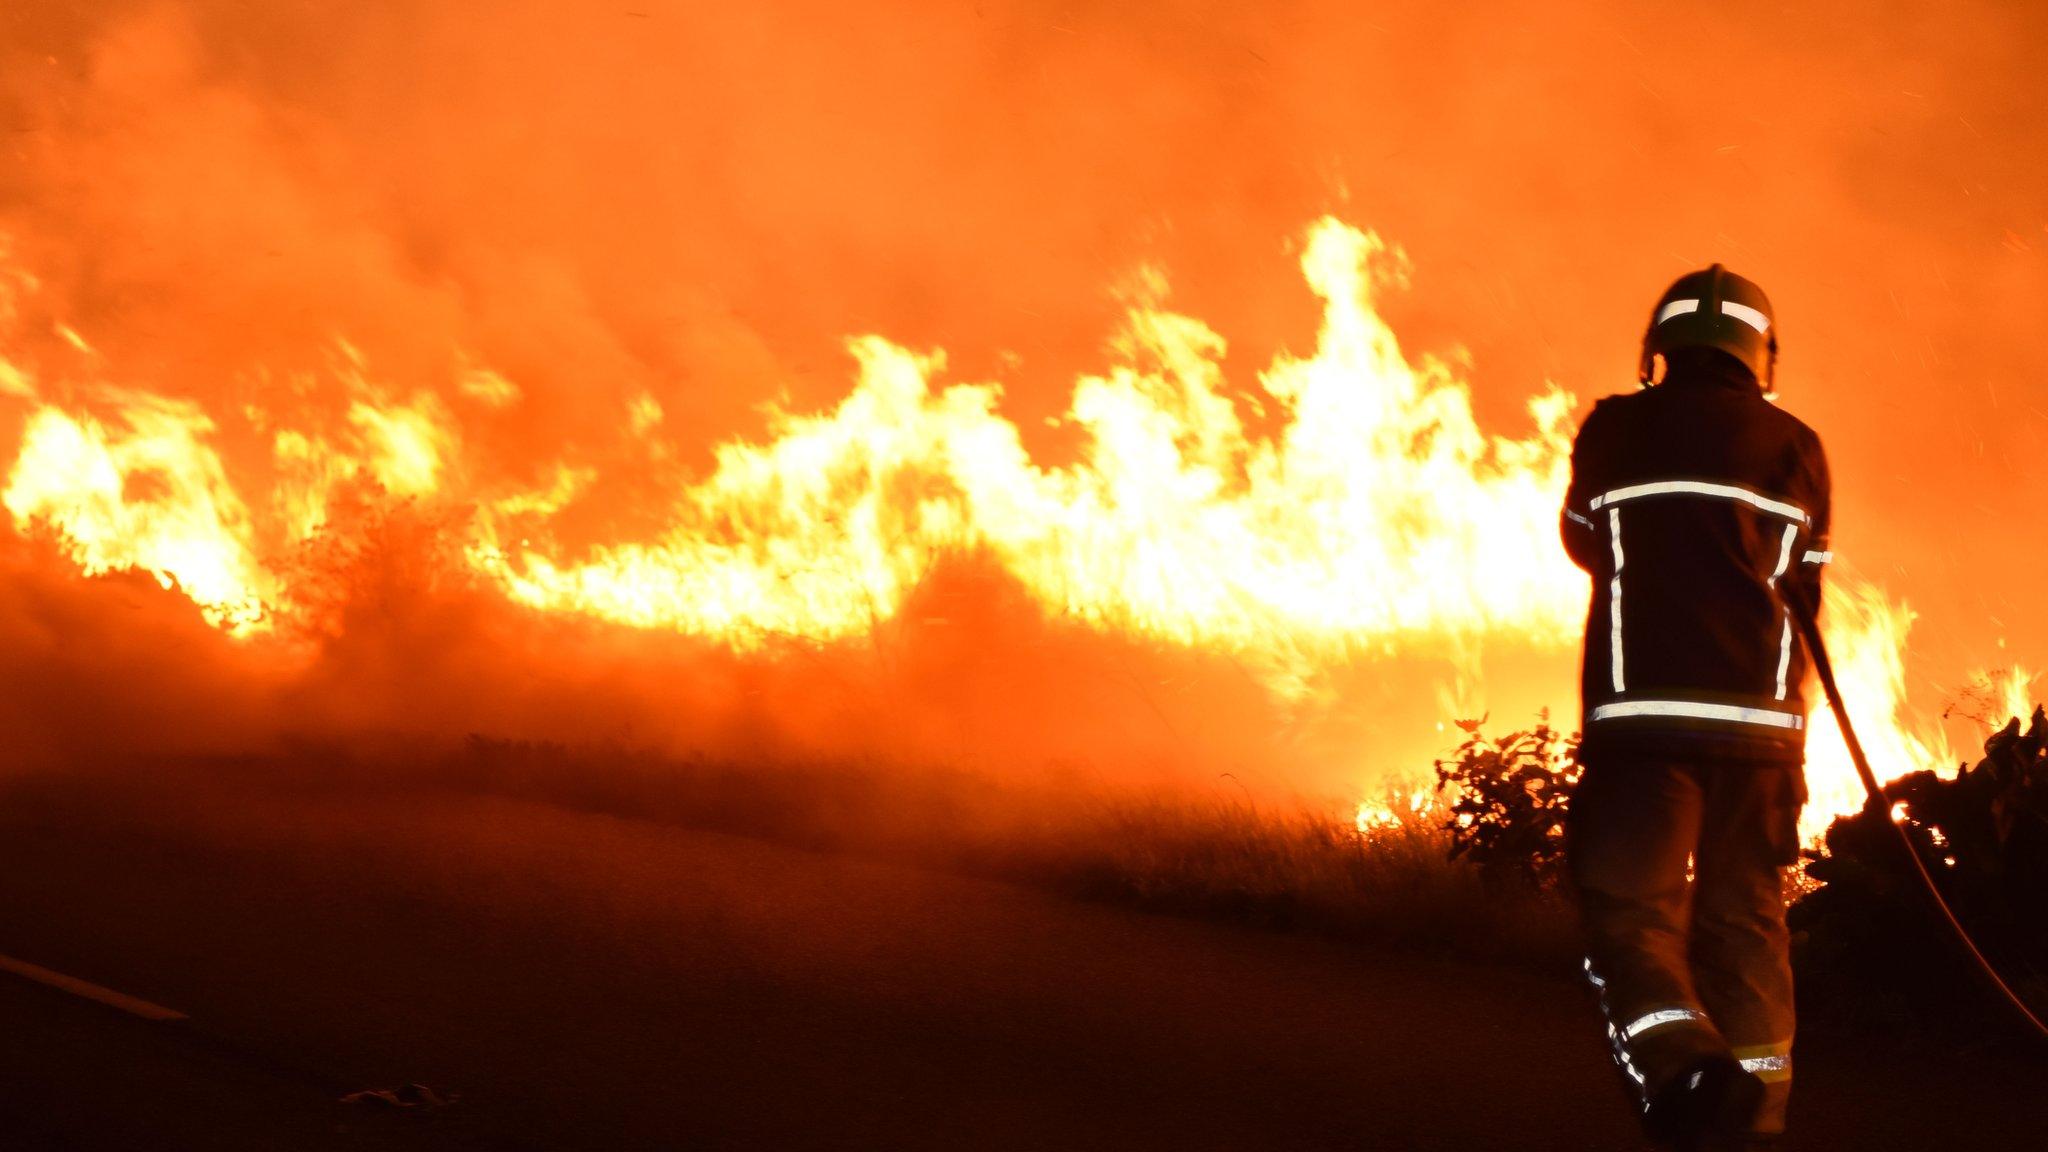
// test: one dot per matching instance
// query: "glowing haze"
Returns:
(465, 366)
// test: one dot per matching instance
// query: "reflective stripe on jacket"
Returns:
(1693, 504)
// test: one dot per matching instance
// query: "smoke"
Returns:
(684, 210)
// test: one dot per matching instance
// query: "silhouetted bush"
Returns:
(1506, 817)
(1866, 928)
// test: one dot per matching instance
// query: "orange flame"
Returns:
(146, 494)
(1382, 517)
(1379, 518)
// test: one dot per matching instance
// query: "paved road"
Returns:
(590, 982)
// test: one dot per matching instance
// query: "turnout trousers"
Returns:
(1689, 967)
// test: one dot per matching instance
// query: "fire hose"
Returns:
(1879, 806)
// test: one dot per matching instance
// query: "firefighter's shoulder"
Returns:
(1608, 405)
(1794, 429)
(1805, 431)
(1806, 444)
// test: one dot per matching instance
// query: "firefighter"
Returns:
(1698, 506)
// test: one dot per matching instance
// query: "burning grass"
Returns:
(1305, 867)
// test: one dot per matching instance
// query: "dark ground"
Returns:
(591, 982)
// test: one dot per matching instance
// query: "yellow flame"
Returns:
(1992, 696)
(1378, 517)
(1866, 639)
(1394, 810)
(147, 494)
(2013, 691)
(1381, 518)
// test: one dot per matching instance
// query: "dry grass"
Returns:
(1219, 854)
(1293, 865)
(1305, 868)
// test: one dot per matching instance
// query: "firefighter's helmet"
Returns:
(1715, 308)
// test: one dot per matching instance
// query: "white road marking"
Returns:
(133, 1005)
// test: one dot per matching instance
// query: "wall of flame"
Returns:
(447, 363)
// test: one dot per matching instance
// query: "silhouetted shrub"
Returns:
(1867, 927)
(1506, 815)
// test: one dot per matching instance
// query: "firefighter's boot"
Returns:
(1708, 1109)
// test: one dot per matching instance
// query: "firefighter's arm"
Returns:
(1805, 577)
(1575, 523)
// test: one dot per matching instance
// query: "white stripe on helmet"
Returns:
(1746, 314)
(1677, 308)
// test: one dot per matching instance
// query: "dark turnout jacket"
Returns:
(1694, 504)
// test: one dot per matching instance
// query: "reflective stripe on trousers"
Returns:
(1642, 1045)
(1771, 1063)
